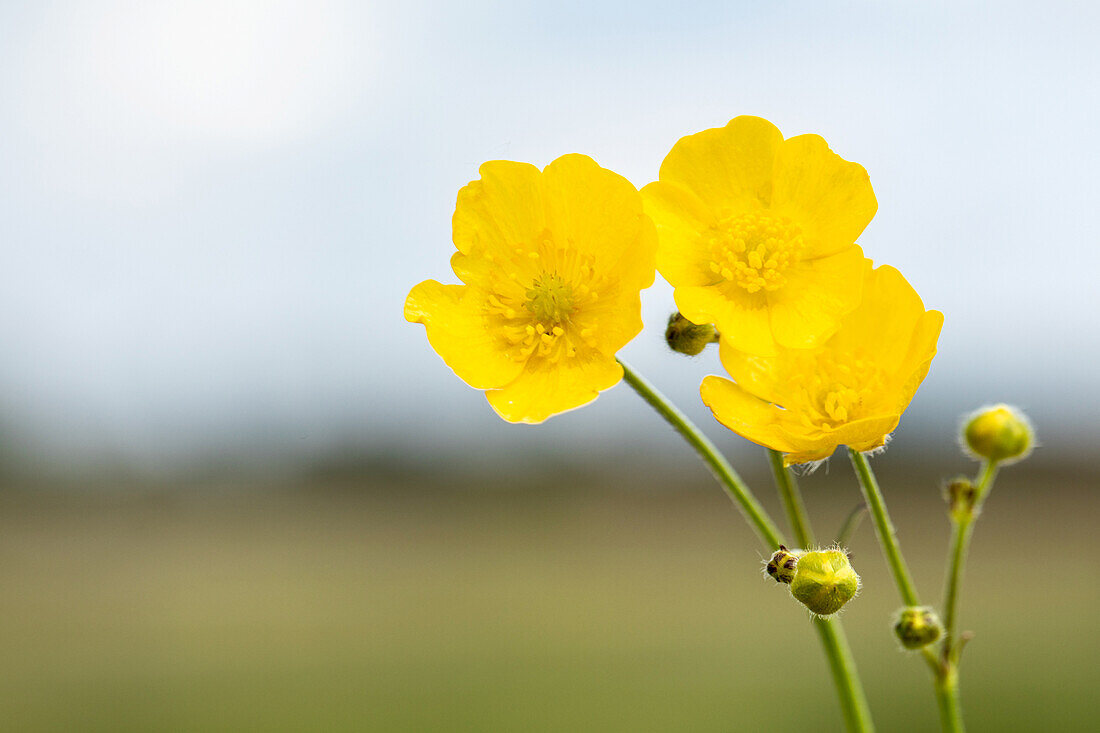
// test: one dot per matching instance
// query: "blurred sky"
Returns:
(211, 212)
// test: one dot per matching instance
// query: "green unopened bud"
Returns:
(917, 626)
(689, 338)
(824, 581)
(999, 433)
(961, 497)
(782, 564)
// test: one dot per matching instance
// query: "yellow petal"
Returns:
(807, 310)
(613, 321)
(922, 348)
(500, 212)
(761, 376)
(459, 333)
(886, 318)
(809, 455)
(598, 210)
(862, 435)
(785, 431)
(831, 198)
(871, 433)
(729, 168)
(682, 220)
(547, 388)
(749, 417)
(486, 274)
(814, 445)
(740, 317)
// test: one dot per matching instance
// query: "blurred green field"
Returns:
(381, 608)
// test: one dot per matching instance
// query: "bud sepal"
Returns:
(782, 564)
(962, 499)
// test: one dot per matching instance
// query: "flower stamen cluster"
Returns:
(838, 389)
(550, 298)
(753, 250)
(538, 318)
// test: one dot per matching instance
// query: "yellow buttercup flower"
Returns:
(553, 262)
(849, 391)
(757, 234)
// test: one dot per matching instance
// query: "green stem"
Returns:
(884, 528)
(961, 530)
(857, 714)
(946, 683)
(960, 541)
(792, 500)
(723, 471)
(853, 702)
(851, 523)
(947, 695)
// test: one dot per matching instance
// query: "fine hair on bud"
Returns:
(824, 580)
(998, 433)
(917, 626)
(685, 337)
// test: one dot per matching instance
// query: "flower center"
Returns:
(550, 299)
(839, 391)
(754, 250)
(544, 320)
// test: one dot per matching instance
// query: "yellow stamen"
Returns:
(754, 250)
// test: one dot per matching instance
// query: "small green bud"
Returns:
(999, 433)
(824, 581)
(961, 497)
(782, 564)
(689, 338)
(917, 626)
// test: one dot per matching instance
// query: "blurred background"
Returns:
(239, 491)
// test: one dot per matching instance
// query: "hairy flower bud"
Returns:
(689, 338)
(999, 433)
(917, 626)
(824, 581)
(782, 564)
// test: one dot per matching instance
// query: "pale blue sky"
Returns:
(212, 211)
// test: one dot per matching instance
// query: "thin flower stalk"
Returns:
(945, 681)
(738, 491)
(884, 528)
(962, 529)
(857, 713)
(849, 688)
(792, 500)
